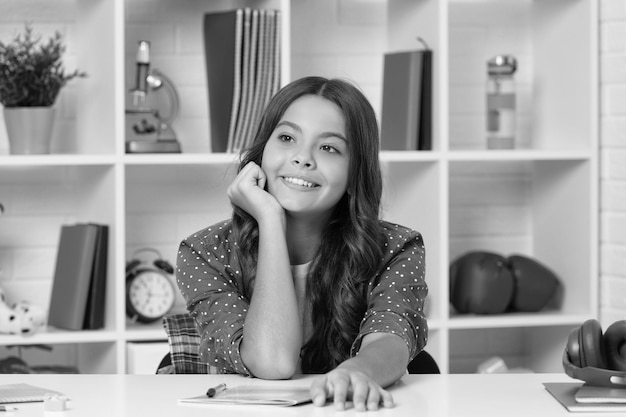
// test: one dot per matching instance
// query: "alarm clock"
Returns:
(150, 292)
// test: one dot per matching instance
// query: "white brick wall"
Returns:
(613, 160)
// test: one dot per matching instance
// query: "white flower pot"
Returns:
(29, 129)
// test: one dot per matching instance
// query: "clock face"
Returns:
(151, 294)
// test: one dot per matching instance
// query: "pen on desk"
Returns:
(4, 408)
(212, 392)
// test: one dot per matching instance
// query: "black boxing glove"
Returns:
(535, 284)
(481, 283)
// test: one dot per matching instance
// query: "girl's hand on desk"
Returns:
(341, 384)
(247, 191)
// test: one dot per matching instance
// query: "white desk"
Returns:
(415, 395)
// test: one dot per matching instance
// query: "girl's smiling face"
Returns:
(306, 158)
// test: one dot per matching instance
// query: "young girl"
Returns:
(305, 277)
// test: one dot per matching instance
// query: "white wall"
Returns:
(613, 160)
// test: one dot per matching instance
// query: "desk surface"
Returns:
(415, 395)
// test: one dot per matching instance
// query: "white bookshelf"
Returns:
(539, 199)
(550, 183)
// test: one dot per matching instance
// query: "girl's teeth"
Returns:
(299, 182)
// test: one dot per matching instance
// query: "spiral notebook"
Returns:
(23, 393)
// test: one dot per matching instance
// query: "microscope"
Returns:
(148, 128)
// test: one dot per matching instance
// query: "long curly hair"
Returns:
(352, 241)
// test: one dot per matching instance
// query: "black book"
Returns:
(223, 37)
(425, 131)
(94, 311)
(406, 122)
(72, 276)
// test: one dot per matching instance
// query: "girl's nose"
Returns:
(303, 158)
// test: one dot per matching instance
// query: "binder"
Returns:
(406, 122)
(243, 72)
(79, 283)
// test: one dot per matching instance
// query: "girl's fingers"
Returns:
(251, 174)
(362, 394)
(340, 388)
(373, 399)
(319, 391)
(387, 399)
(247, 191)
(254, 173)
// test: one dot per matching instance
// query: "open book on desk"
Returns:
(253, 395)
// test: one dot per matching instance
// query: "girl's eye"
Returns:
(285, 138)
(329, 148)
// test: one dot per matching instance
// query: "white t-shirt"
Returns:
(299, 274)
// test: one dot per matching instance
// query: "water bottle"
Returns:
(501, 102)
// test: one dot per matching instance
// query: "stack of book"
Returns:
(79, 286)
(242, 52)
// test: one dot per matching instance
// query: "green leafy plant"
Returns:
(31, 72)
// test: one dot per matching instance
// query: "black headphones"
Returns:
(159, 262)
(596, 358)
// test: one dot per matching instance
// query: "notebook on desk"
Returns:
(565, 393)
(590, 394)
(23, 393)
(253, 395)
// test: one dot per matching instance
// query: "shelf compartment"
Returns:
(84, 121)
(549, 40)
(38, 201)
(540, 209)
(538, 349)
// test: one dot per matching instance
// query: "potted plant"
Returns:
(31, 77)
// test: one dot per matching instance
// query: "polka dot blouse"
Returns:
(208, 274)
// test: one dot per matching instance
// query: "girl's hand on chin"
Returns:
(247, 191)
(344, 384)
